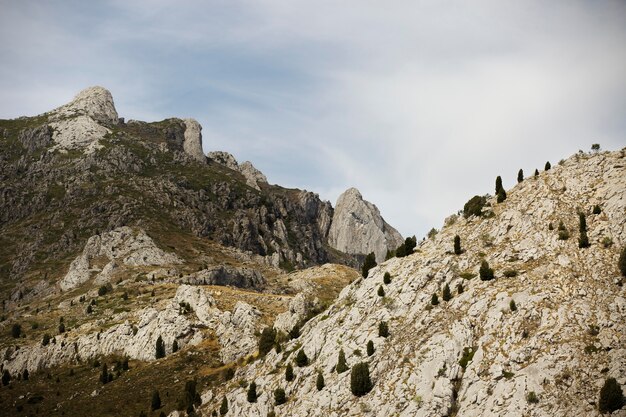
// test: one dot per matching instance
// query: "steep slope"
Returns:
(477, 354)
(358, 228)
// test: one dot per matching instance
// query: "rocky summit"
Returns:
(140, 276)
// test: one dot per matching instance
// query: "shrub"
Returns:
(596, 209)
(583, 240)
(595, 147)
(289, 373)
(474, 206)
(447, 295)
(125, 364)
(369, 263)
(224, 407)
(536, 172)
(531, 397)
(485, 272)
(102, 290)
(498, 184)
(294, 333)
(46, 340)
(457, 245)
(156, 400)
(175, 346)
(500, 190)
(341, 362)
(6, 377)
(16, 330)
(622, 262)
(459, 288)
(25, 375)
(160, 348)
(381, 291)
(406, 248)
(468, 355)
(370, 348)
(360, 382)
(520, 176)
(611, 396)
(302, 359)
(548, 166)
(279, 396)
(606, 242)
(501, 196)
(510, 273)
(104, 374)
(387, 278)
(434, 300)
(467, 275)
(190, 398)
(512, 305)
(62, 327)
(319, 384)
(252, 396)
(267, 340)
(89, 309)
(550, 226)
(383, 329)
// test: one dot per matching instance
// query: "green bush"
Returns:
(596, 209)
(485, 272)
(279, 396)
(267, 340)
(341, 363)
(434, 300)
(156, 400)
(459, 288)
(302, 359)
(531, 397)
(406, 248)
(583, 240)
(360, 382)
(381, 291)
(510, 273)
(512, 305)
(252, 396)
(611, 396)
(289, 373)
(501, 196)
(369, 263)
(6, 377)
(104, 374)
(175, 346)
(319, 384)
(370, 348)
(387, 278)
(536, 172)
(548, 166)
(622, 262)
(46, 340)
(520, 176)
(160, 348)
(383, 329)
(16, 330)
(474, 206)
(457, 245)
(447, 295)
(466, 358)
(224, 407)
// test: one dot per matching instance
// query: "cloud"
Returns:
(420, 105)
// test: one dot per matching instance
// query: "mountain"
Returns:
(539, 339)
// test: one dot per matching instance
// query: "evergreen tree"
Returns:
(596, 209)
(370, 348)
(434, 300)
(175, 346)
(360, 382)
(302, 359)
(267, 340)
(474, 206)
(387, 278)
(498, 184)
(536, 172)
(46, 340)
(501, 195)
(160, 348)
(320, 381)
(341, 363)
(279, 396)
(512, 305)
(459, 288)
(447, 295)
(457, 245)
(62, 327)
(6, 377)
(26, 375)
(125, 364)
(520, 176)
(252, 392)
(583, 240)
(289, 373)
(485, 272)
(622, 262)
(381, 291)
(370, 262)
(104, 374)
(224, 407)
(611, 396)
(383, 329)
(89, 309)
(410, 243)
(156, 400)
(16, 330)
(548, 166)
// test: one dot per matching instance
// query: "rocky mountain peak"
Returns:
(359, 228)
(95, 102)
(253, 176)
(193, 139)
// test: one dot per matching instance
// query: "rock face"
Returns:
(226, 275)
(93, 102)
(193, 140)
(254, 177)
(123, 245)
(477, 354)
(358, 228)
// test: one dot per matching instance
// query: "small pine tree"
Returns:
(447, 295)
(459, 289)
(536, 172)
(156, 400)
(160, 348)
(360, 382)
(387, 278)
(267, 340)
(383, 329)
(89, 309)
(370, 348)
(501, 196)
(319, 384)
(62, 327)
(485, 272)
(46, 340)
(175, 346)
(611, 396)
(457, 245)
(434, 300)
(583, 240)
(548, 166)
(512, 305)
(279, 396)
(370, 262)
(520, 176)
(289, 373)
(25, 375)
(341, 362)
(596, 209)
(224, 407)
(252, 396)
(104, 374)
(16, 330)
(498, 184)
(622, 262)
(302, 359)
(381, 291)
(125, 364)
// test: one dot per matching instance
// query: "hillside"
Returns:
(540, 339)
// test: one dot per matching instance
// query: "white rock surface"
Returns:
(253, 176)
(93, 102)
(193, 140)
(358, 228)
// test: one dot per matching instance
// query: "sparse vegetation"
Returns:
(267, 340)
(406, 248)
(474, 206)
(563, 232)
(531, 397)
(468, 355)
(360, 382)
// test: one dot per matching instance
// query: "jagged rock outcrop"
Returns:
(93, 102)
(226, 275)
(358, 228)
(254, 177)
(123, 245)
(477, 354)
(236, 332)
(193, 140)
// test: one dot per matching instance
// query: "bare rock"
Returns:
(193, 140)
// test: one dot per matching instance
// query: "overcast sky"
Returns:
(419, 104)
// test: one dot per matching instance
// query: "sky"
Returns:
(418, 104)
